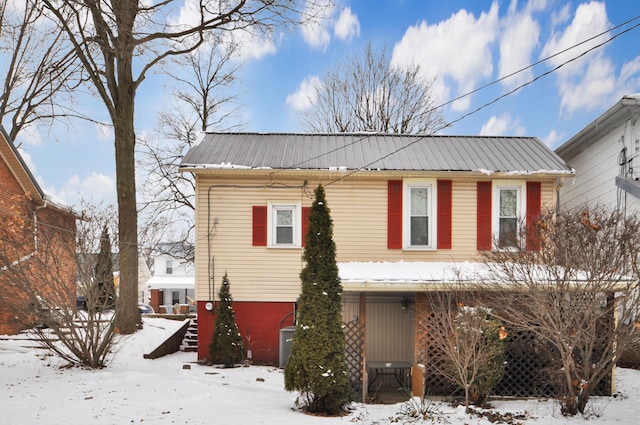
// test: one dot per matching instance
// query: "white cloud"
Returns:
(306, 94)
(31, 166)
(590, 19)
(561, 16)
(319, 17)
(592, 90)
(589, 81)
(519, 37)
(253, 45)
(29, 135)
(458, 48)
(347, 26)
(551, 139)
(502, 126)
(96, 187)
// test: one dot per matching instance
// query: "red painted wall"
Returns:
(259, 324)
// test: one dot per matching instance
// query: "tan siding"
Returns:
(359, 212)
(389, 333)
(390, 329)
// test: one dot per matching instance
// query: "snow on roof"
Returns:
(413, 275)
(372, 151)
(409, 273)
(171, 282)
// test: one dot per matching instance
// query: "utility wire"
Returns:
(462, 117)
(491, 102)
(366, 135)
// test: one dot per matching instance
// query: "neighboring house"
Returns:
(406, 210)
(172, 286)
(144, 274)
(37, 237)
(606, 157)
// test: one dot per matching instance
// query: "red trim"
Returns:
(394, 214)
(484, 216)
(445, 201)
(259, 225)
(534, 207)
(305, 223)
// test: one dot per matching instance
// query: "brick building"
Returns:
(37, 245)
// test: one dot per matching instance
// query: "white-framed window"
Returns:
(169, 267)
(284, 222)
(419, 214)
(509, 209)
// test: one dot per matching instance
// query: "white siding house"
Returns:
(172, 283)
(606, 158)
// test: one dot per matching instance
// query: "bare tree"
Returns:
(203, 100)
(118, 42)
(467, 346)
(367, 93)
(38, 70)
(41, 257)
(578, 293)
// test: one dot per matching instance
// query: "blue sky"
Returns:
(466, 44)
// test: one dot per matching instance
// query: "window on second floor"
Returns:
(169, 267)
(419, 215)
(284, 219)
(284, 224)
(510, 209)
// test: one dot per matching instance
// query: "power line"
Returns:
(539, 62)
(495, 100)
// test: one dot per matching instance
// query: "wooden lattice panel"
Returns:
(353, 332)
(528, 371)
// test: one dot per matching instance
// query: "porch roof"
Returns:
(424, 275)
(408, 275)
(171, 282)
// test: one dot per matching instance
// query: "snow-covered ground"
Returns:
(176, 390)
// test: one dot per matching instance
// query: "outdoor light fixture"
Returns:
(404, 303)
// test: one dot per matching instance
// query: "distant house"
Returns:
(606, 157)
(32, 226)
(407, 210)
(171, 287)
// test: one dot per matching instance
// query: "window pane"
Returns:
(508, 202)
(419, 198)
(508, 232)
(419, 230)
(284, 218)
(284, 235)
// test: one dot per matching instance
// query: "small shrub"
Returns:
(420, 408)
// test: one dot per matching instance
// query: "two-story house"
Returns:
(171, 288)
(32, 225)
(407, 210)
(606, 157)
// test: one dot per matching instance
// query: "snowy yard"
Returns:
(132, 390)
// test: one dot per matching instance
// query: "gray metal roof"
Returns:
(372, 151)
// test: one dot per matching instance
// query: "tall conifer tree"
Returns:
(226, 346)
(105, 292)
(316, 366)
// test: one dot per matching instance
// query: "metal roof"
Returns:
(373, 151)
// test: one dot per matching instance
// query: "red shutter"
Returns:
(484, 216)
(394, 214)
(305, 223)
(444, 213)
(534, 205)
(259, 225)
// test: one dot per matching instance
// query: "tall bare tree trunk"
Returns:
(127, 314)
